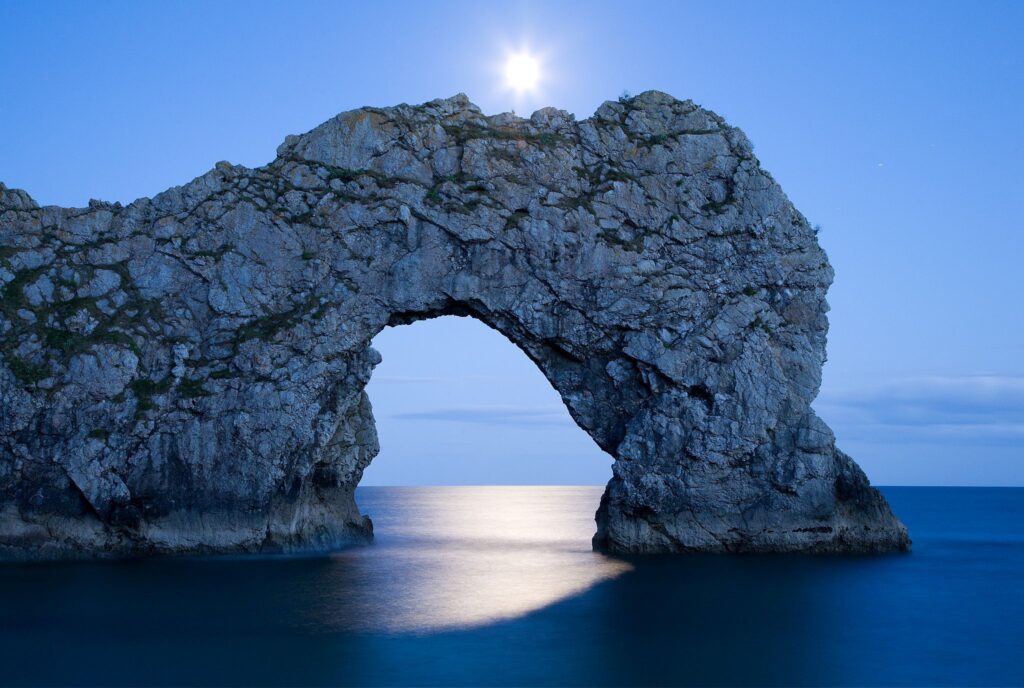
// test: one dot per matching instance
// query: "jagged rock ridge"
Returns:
(186, 373)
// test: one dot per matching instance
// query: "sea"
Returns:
(478, 586)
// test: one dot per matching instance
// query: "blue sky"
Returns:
(895, 126)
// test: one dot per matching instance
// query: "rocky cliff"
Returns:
(187, 373)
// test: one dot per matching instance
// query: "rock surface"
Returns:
(187, 373)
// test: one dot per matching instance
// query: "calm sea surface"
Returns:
(497, 585)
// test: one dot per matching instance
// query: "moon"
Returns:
(522, 72)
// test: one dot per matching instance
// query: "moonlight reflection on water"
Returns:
(455, 557)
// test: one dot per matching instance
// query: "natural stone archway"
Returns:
(186, 373)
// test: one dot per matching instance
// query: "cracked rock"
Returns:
(187, 373)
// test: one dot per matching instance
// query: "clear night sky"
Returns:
(898, 127)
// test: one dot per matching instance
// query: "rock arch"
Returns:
(186, 373)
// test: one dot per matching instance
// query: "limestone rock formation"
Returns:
(186, 373)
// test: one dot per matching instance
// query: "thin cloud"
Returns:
(421, 380)
(399, 380)
(492, 415)
(981, 409)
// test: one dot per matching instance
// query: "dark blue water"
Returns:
(473, 586)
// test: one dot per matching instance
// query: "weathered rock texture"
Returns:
(186, 374)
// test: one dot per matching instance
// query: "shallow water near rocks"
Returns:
(498, 585)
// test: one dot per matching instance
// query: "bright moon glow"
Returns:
(522, 72)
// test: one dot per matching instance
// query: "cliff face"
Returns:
(186, 373)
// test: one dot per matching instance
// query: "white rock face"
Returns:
(186, 373)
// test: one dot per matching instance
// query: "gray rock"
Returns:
(187, 373)
(40, 292)
(102, 282)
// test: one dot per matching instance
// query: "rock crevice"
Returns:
(187, 373)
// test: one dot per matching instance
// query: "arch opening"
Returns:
(456, 403)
